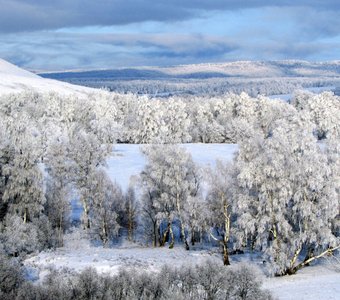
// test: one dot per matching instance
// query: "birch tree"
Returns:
(172, 176)
(287, 196)
(220, 205)
(107, 201)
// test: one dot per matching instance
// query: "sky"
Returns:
(54, 35)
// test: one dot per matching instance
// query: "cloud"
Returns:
(57, 51)
(65, 34)
(30, 15)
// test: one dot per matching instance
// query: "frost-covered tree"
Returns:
(107, 201)
(204, 127)
(148, 124)
(220, 205)
(150, 211)
(323, 109)
(58, 187)
(171, 177)
(130, 212)
(105, 121)
(176, 122)
(19, 237)
(287, 196)
(11, 277)
(88, 154)
(24, 186)
(196, 216)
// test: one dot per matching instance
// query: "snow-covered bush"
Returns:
(19, 237)
(206, 281)
(10, 277)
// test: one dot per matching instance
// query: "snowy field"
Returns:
(321, 281)
(127, 160)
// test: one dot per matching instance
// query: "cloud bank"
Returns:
(40, 34)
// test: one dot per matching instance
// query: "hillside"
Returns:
(14, 79)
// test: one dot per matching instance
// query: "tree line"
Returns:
(279, 196)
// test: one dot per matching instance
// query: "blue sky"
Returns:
(90, 34)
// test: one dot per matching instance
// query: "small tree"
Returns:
(130, 212)
(107, 202)
(219, 202)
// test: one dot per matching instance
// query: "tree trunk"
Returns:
(86, 219)
(130, 224)
(226, 234)
(192, 237)
(172, 238)
(25, 215)
(165, 233)
(154, 233)
(292, 270)
(60, 235)
(183, 238)
(226, 261)
(104, 233)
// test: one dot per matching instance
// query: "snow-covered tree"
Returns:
(107, 201)
(24, 187)
(58, 187)
(196, 216)
(323, 109)
(170, 177)
(130, 212)
(176, 122)
(88, 154)
(219, 203)
(287, 196)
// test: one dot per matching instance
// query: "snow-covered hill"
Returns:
(14, 79)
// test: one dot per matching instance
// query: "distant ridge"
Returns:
(253, 77)
(250, 69)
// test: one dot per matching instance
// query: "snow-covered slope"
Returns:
(14, 79)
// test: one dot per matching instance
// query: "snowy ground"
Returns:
(321, 281)
(78, 253)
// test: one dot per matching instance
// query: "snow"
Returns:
(14, 80)
(78, 253)
(321, 281)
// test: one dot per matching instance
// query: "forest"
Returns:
(278, 197)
